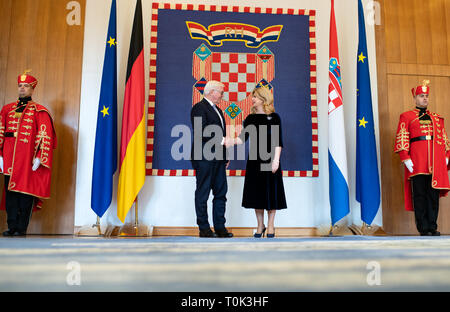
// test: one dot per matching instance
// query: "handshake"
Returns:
(228, 142)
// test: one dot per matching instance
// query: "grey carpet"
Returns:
(348, 263)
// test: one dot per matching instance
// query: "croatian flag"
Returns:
(337, 159)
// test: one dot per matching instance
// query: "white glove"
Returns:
(1, 163)
(409, 164)
(36, 163)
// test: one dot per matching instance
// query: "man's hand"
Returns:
(409, 164)
(36, 164)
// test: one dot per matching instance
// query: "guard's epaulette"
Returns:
(39, 107)
(437, 115)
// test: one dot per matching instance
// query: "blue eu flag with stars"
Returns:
(105, 153)
(367, 178)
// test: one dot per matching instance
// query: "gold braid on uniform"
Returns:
(43, 142)
(402, 141)
(446, 141)
(2, 131)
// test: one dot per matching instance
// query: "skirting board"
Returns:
(112, 231)
(237, 231)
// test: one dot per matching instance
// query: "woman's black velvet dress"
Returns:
(262, 188)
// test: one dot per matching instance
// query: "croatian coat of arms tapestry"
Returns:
(244, 48)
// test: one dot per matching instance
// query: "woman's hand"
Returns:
(275, 165)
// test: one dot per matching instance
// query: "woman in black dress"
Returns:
(263, 185)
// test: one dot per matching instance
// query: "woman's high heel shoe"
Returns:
(270, 235)
(259, 235)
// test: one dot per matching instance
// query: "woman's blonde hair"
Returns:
(264, 94)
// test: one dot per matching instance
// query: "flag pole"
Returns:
(136, 219)
(135, 229)
(366, 229)
(97, 224)
(88, 230)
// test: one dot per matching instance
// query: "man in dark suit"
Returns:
(208, 157)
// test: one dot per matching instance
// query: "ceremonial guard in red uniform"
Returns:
(424, 148)
(27, 140)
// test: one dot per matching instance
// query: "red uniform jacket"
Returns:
(428, 155)
(24, 137)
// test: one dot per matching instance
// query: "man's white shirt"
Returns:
(218, 114)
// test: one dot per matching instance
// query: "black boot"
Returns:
(435, 233)
(9, 232)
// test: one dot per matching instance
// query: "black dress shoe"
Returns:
(207, 233)
(19, 234)
(8, 233)
(224, 233)
(435, 233)
(425, 234)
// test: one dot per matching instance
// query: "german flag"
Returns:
(132, 145)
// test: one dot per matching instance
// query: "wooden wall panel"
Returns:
(5, 29)
(389, 19)
(438, 32)
(417, 32)
(413, 44)
(447, 24)
(406, 31)
(40, 39)
(423, 30)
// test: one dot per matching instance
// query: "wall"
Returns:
(169, 201)
(413, 44)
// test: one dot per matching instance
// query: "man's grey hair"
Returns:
(212, 85)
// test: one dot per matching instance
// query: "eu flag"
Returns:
(105, 153)
(367, 179)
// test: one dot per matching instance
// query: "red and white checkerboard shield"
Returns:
(240, 73)
(237, 71)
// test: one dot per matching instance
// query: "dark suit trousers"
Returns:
(426, 203)
(19, 207)
(210, 175)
